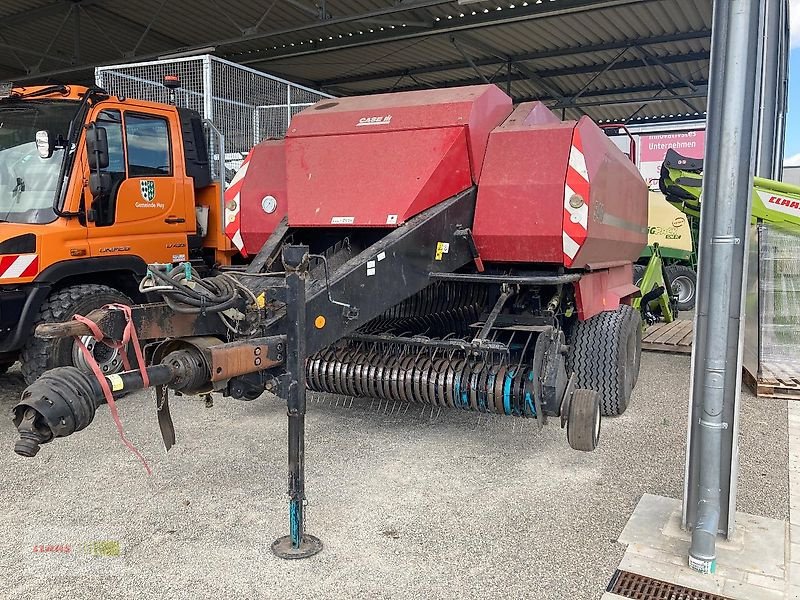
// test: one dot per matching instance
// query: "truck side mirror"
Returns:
(96, 147)
(45, 144)
(99, 184)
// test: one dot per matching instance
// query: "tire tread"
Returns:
(597, 349)
(59, 306)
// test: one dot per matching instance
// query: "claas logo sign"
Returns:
(777, 200)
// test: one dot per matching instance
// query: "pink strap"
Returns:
(129, 335)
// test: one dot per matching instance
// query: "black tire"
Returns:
(40, 355)
(683, 281)
(605, 355)
(583, 422)
(635, 346)
(638, 274)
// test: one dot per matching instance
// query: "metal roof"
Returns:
(617, 60)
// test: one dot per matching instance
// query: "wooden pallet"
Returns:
(775, 382)
(673, 337)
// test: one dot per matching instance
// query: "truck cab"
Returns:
(93, 188)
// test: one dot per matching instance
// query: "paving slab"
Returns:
(752, 565)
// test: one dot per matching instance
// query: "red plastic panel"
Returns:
(617, 204)
(373, 179)
(518, 216)
(265, 179)
(530, 113)
(603, 290)
(478, 108)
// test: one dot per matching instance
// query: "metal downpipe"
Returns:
(723, 241)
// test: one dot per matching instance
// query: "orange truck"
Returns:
(93, 188)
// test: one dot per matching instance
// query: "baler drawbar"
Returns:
(439, 248)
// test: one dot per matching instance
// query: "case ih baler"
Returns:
(436, 247)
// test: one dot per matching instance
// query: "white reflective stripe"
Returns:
(240, 173)
(571, 247)
(22, 262)
(578, 162)
(237, 239)
(582, 212)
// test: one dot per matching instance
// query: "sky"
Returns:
(793, 116)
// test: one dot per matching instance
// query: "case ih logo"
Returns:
(148, 189)
(784, 202)
(364, 121)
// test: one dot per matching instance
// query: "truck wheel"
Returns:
(40, 355)
(583, 422)
(605, 355)
(683, 280)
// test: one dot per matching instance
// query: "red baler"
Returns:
(438, 247)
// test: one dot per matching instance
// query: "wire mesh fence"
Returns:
(245, 105)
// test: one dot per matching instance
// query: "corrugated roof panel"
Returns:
(256, 30)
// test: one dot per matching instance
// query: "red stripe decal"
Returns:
(32, 269)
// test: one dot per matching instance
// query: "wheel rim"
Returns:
(108, 359)
(683, 287)
(597, 424)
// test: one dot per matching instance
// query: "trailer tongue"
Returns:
(434, 247)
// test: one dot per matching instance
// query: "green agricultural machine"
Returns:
(681, 183)
(669, 274)
(776, 212)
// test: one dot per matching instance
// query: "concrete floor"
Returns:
(407, 506)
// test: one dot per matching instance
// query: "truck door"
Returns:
(144, 213)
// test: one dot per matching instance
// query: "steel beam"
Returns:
(700, 84)
(526, 73)
(43, 55)
(622, 101)
(529, 56)
(256, 35)
(53, 39)
(149, 26)
(648, 58)
(783, 89)
(311, 11)
(477, 19)
(599, 74)
(548, 73)
(34, 14)
(468, 60)
(712, 447)
(166, 38)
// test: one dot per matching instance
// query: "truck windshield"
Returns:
(29, 184)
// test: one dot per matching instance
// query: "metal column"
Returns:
(771, 79)
(783, 89)
(712, 449)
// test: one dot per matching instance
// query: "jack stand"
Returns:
(297, 544)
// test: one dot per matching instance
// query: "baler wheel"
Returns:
(583, 423)
(605, 355)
